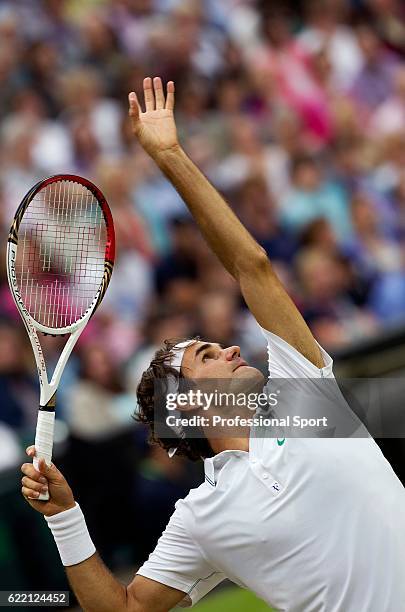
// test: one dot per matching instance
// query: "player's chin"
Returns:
(246, 371)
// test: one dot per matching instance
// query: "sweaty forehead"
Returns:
(193, 353)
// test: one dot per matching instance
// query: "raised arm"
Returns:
(241, 255)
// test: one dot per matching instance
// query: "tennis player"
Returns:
(307, 524)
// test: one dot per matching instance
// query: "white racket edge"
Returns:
(44, 442)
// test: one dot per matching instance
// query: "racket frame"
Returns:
(46, 414)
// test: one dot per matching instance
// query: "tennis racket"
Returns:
(60, 257)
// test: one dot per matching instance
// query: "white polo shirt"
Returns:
(309, 525)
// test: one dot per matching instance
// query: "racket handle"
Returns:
(44, 441)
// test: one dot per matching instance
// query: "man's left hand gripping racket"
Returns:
(60, 257)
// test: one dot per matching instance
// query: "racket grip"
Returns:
(44, 441)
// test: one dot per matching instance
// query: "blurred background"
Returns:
(296, 112)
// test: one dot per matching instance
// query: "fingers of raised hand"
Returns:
(155, 96)
(159, 95)
(30, 450)
(148, 94)
(133, 105)
(33, 486)
(170, 96)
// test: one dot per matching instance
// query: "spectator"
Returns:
(374, 82)
(98, 403)
(18, 391)
(181, 263)
(259, 215)
(326, 281)
(11, 452)
(325, 29)
(389, 117)
(286, 61)
(311, 196)
(372, 251)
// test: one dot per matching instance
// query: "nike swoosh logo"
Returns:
(280, 442)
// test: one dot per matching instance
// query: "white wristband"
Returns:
(72, 538)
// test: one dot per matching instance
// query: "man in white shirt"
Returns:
(307, 524)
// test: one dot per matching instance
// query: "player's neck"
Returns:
(220, 444)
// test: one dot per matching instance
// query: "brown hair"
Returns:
(151, 399)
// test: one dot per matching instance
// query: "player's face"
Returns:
(211, 361)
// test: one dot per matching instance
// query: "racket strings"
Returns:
(61, 253)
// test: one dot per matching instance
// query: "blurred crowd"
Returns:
(294, 110)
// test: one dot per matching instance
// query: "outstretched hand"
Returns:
(155, 128)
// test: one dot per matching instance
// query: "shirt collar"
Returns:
(213, 465)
